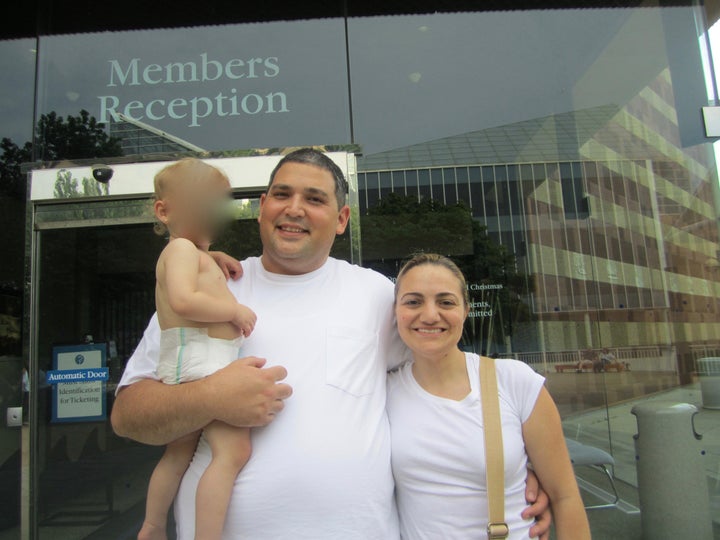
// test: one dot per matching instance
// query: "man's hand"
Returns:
(245, 395)
(242, 394)
(230, 266)
(539, 508)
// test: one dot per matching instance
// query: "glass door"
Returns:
(95, 292)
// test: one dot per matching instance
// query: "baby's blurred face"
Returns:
(198, 209)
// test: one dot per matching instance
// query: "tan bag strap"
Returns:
(494, 457)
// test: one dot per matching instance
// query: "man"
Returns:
(321, 469)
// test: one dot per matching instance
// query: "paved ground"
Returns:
(612, 427)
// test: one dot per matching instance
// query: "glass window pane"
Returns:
(588, 167)
(177, 90)
(17, 64)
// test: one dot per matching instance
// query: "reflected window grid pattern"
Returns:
(590, 214)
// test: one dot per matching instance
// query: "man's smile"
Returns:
(291, 228)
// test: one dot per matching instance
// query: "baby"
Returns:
(202, 327)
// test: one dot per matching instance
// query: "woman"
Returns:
(436, 421)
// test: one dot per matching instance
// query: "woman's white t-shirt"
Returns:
(438, 454)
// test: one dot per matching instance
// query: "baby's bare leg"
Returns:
(164, 484)
(230, 452)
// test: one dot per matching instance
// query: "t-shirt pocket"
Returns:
(351, 360)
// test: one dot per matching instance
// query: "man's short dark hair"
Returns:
(310, 156)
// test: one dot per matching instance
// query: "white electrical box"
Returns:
(14, 416)
(711, 119)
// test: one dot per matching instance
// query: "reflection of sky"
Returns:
(419, 78)
(414, 78)
(17, 65)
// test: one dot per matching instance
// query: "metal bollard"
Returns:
(709, 375)
(672, 483)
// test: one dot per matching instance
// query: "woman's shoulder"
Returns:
(518, 384)
(511, 365)
(510, 372)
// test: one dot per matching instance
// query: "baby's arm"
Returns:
(230, 266)
(245, 320)
(182, 268)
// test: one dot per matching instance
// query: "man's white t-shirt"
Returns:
(321, 469)
(438, 453)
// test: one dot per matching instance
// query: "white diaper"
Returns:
(189, 354)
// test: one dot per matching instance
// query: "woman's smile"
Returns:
(429, 330)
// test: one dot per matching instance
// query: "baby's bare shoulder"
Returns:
(179, 247)
(181, 244)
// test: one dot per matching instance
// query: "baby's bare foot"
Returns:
(150, 531)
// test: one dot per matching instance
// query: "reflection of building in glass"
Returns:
(137, 137)
(604, 208)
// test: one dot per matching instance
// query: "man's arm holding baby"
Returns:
(241, 394)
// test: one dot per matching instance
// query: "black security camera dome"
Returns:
(102, 173)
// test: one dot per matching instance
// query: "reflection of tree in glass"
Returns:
(75, 137)
(245, 208)
(488, 266)
(69, 187)
(12, 181)
(401, 225)
(66, 187)
(241, 238)
(56, 138)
